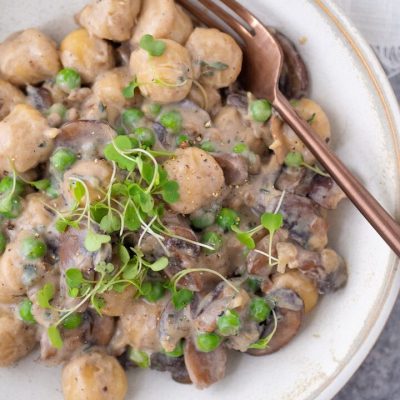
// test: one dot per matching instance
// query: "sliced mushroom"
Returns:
(86, 137)
(325, 192)
(234, 166)
(330, 274)
(101, 329)
(289, 313)
(304, 222)
(204, 368)
(215, 303)
(290, 178)
(237, 99)
(300, 284)
(174, 326)
(294, 80)
(258, 264)
(39, 97)
(174, 365)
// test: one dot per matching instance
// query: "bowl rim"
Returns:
(383, 92)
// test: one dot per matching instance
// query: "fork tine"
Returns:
(201, 15)
(227, 18)
(242, 12)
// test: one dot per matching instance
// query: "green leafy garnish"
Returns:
(296, 159)
(208, 68)
(262, 343)
(129, 91)
(181, 298)
(45, 295)
(154, 47)
(140, 358)
(55, 337)
(94, 241)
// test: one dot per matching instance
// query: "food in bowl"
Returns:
(153, 213)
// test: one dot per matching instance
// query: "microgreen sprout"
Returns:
(181, 274)
(154, 47)
(296, 159)
(262, 343)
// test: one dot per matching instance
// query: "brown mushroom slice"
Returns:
(73, 254)
(294, 80)
(86, 137)
(204, 368)
(290, 178)
(257, 263)
(234, 166)
(325, 192)
(39, 97)
(101, 329)
(174, 326)
(174, 365)
(304, 222)
(289, 312)
(331, 272)
(215, 303)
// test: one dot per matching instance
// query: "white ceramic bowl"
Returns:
(349, 83)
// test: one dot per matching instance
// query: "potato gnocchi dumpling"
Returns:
(217, 58)
(94, 376)
(10, 96)
(163, 19)
(164, 79)
(17, 339)
(110, 19)
(19, 150)
(199, 176)
(86, 54)
(28, 57)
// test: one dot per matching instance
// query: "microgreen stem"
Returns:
(315, 169)
(177, 277)
(278, 207)
(265, 255)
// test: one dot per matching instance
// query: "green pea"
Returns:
(68, 79)
(207, 342)
(25, 311)
(261, 110)
(140, 358)
(227, 217)
(182, 139)
(207, 146)
(6, 185)
(153, 291)
(229, 323)
(177, 352)
(172, 120)
(131, 116)
(3, 242)
(202, 218)
(73, 321)
(253, 284)
(239, 148)
(63, 159)
(212, 239)
(33, 248)
(57, 108)
(259, 309)
(145, 136)
(182, 298)
(294, 159)
(155, 109)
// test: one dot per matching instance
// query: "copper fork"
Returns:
(262, 69)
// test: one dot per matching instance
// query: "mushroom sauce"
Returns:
(153, 214)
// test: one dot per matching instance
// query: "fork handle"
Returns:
(380, 220)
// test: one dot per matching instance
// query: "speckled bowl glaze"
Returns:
(349, 83)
